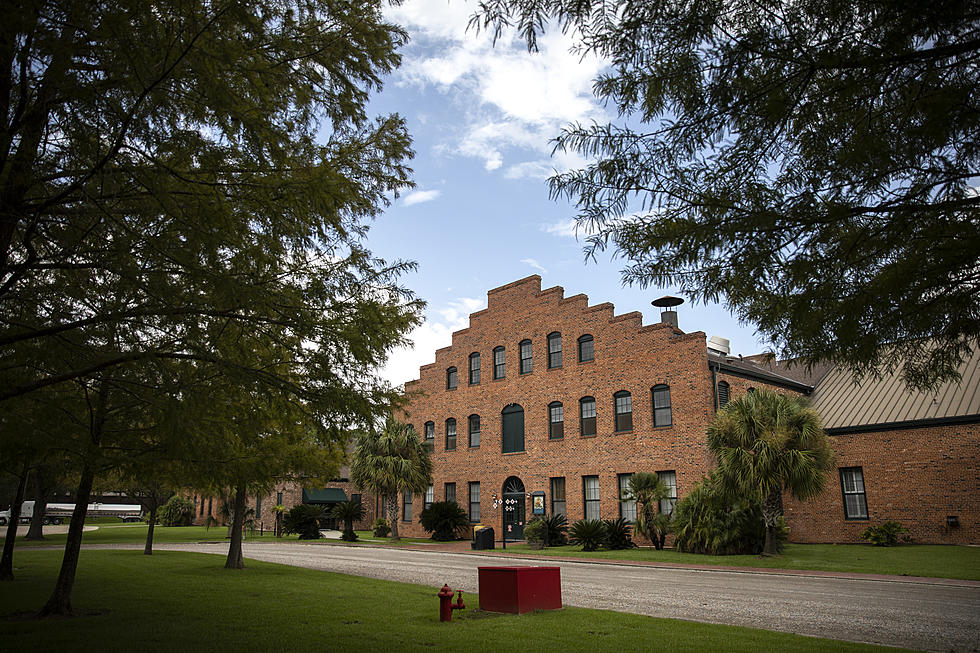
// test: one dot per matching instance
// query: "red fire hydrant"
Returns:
(446, 606)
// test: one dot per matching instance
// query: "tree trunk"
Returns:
(235, 560)
(148, 547)
(60, 602)
(393, 514)
(770, 515)
(7, 561)
(36, 531)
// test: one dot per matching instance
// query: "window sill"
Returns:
(514, 453)
(665, 426)
(590, 435)
(626, 432)
(556, 439)
(588, 362)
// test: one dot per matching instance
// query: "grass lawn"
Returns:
(187, 602)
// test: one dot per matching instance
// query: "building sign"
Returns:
(537, 503)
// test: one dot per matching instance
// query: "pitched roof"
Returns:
(886, 401)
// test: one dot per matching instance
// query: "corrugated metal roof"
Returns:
(886, 400)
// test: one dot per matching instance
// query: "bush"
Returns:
(176, 512)
(556, 530)
(618, 534)
(885, 534)
(535, 533)
(707, 521)
(444, 519)
(304, 520)
(381, 527)
(348, 512)
(590, 533)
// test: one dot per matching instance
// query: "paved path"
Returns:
(928, 614)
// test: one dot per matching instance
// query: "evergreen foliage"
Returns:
(178, 511)
(556, 529)
(812, 164)
(304, 520)
(381, 528)
(445, 520)
(618, 534)
(647, 490)
(536, 532)
(885, 534)
(348, 512)
(590, 534)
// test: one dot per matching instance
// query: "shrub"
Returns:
(304, 519)
(535, 533)
(444, 519)
(590, 533)
(381, 527)
(176, 512)
(348, 512)
(556, 527)
(708, 521)
(618, 534)
(885, 534)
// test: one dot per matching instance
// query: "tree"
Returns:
(647, 490)
(391, 461)
(305, 520)
(348, 512)
(767, 443)
(812, 164)
(445, 520)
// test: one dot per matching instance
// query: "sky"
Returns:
(482, 118)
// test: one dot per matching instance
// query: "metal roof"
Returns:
(843, 404)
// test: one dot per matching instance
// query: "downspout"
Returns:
(714, 383)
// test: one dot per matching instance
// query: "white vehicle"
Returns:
(58, 512)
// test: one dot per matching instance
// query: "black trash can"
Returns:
(483, 539)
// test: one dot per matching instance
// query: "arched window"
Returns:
(474, 430)
(451, 378)
(450, 434)
(624, 411)
(512, 422)
(474, 368)
(586, 350)
(586, 407)
(499, 363)
(660, 398)
(554, 350)
(527, 363)
(430, 435)
(556, 421)
(723, 393)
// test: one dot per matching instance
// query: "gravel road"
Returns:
(937, 616)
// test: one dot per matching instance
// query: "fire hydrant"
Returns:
(446, 606)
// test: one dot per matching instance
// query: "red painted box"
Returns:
(520, 589)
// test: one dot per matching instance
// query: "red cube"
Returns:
(520, 589)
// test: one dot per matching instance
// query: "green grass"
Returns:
(937, 561)
(187, 602)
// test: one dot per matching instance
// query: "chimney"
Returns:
(719, 345)
(667, 313)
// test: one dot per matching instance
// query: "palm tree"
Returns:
(348, 512)
(647, 490)
(392, 461)
(767, 443)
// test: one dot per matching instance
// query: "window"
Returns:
(430, 497)
(852, 488)
(512, 419)
(499, 367)
(527, 363)
(474, 368)
(451, 492)
(210, 505)
(627, 508)
(661, 405)
(355, 498)
(558, 496)
(590, 492)
(258, 506)
(451, 378)
(587, 415)
(474, 430)
(475, 501)
(450, 434)
(278, 501)
(668, 478)
(586, 348)
(624, 411)
(723, 393)
(430, 436)
(407, 506)
(554, 350)
(556, 421)
(202, 503)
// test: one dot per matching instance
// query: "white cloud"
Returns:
(419, 196)
(404, 363)
(534, 264)
(565, 228)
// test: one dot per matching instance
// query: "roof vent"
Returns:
(667, 304)
(719, 345)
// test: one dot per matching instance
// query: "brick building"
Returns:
(546, 403)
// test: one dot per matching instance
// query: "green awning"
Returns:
(324, 495)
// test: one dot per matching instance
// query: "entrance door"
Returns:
(515, 505)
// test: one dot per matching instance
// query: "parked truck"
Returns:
(55, 513)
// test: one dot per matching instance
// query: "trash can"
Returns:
(483, 539)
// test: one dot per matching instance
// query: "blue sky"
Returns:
(481, 118)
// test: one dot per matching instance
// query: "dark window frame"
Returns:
(449, 496)
(471, 432)
(474, 369)
(508, 438)
(582, 340)
(661, 389)
(586, 501)
(451, 445)
(724, 393)
(556, 428)
(499, 368)
(554, 353)
(406, 506)
(526, 365)
(863, 493)
(472, 503)
(452, 378)
(429, 435)
(584, 421)
(429, 497)
(627, 508)
(623, 419)
(667, 504)
(554, 495)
